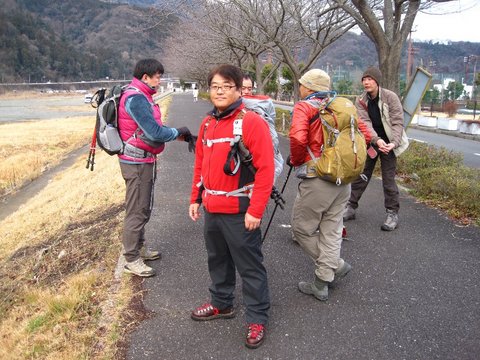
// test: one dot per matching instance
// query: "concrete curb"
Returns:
(446, 132)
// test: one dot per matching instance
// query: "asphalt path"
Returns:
(413, 293)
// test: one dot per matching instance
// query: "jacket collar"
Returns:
(236, 105)
(373, 99)
(140, 85)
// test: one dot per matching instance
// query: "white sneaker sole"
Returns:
(128, 271)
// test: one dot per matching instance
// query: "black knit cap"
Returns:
(374, 73)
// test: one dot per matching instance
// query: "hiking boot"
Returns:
(138, 268)
(349, 213)
(209, 312)
(343, 271)
(147, 254)
(391, 222)
(318, 288)
(255, 336)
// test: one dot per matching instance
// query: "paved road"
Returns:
(413, 293)
(469, 148)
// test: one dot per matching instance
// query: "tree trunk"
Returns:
(389, 64)
(388, 29)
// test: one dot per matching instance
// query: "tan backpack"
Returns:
(344, 150)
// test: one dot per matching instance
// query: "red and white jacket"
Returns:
(211, 154)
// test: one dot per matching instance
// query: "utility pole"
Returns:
(466, 60)
(410, 52)
(474, 80)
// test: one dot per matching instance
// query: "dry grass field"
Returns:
(29, 148)
(58, 254)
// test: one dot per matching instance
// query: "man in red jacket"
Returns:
(234, 197)
(317, 219)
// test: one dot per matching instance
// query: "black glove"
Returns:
(191, 143)
(185, 132)
(288, 161)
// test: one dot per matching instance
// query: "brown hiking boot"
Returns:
(138, 268)
(255, 336)
(147, 254)
(209, 312)
(349, 213)
(391, 222)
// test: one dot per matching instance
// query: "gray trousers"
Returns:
(317, 222)
(139, 181)
(390, 189)
(230, 246)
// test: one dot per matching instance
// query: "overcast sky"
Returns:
(455, 21)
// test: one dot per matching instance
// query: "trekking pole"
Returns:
(96, 100)
(276, 203)
(91, 154)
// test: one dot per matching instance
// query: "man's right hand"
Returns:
(289, 163)
(184, 134)
(193, 211)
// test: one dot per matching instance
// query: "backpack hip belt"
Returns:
(135, 152)
(244, 191)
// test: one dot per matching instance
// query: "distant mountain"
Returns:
(144, 3)
(76, 39)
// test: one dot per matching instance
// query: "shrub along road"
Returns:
(414, 293)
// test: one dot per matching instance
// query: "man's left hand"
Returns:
(251, 223)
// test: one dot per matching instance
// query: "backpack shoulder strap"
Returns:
(238, 124)
(319, 104)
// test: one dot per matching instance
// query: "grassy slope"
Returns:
(60, 298)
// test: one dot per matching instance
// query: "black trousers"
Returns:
(390, 189)
(230, 246)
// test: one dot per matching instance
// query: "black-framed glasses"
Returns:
(224, 87)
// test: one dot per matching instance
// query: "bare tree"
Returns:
(296, 29)
(247, 45)
(249, 31)
(387, 23)
(191, 52)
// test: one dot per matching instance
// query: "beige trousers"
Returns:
(317, 223)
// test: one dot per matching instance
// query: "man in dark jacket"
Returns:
(234, 198)
(382, 111)
(144, 136)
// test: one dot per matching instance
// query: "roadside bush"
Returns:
(438, 177)
(455, 189)
(279, 121)
(421, 156)
(205, 95)
(451, 108)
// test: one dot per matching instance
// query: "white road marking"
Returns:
(420, 141)
(476, 154)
